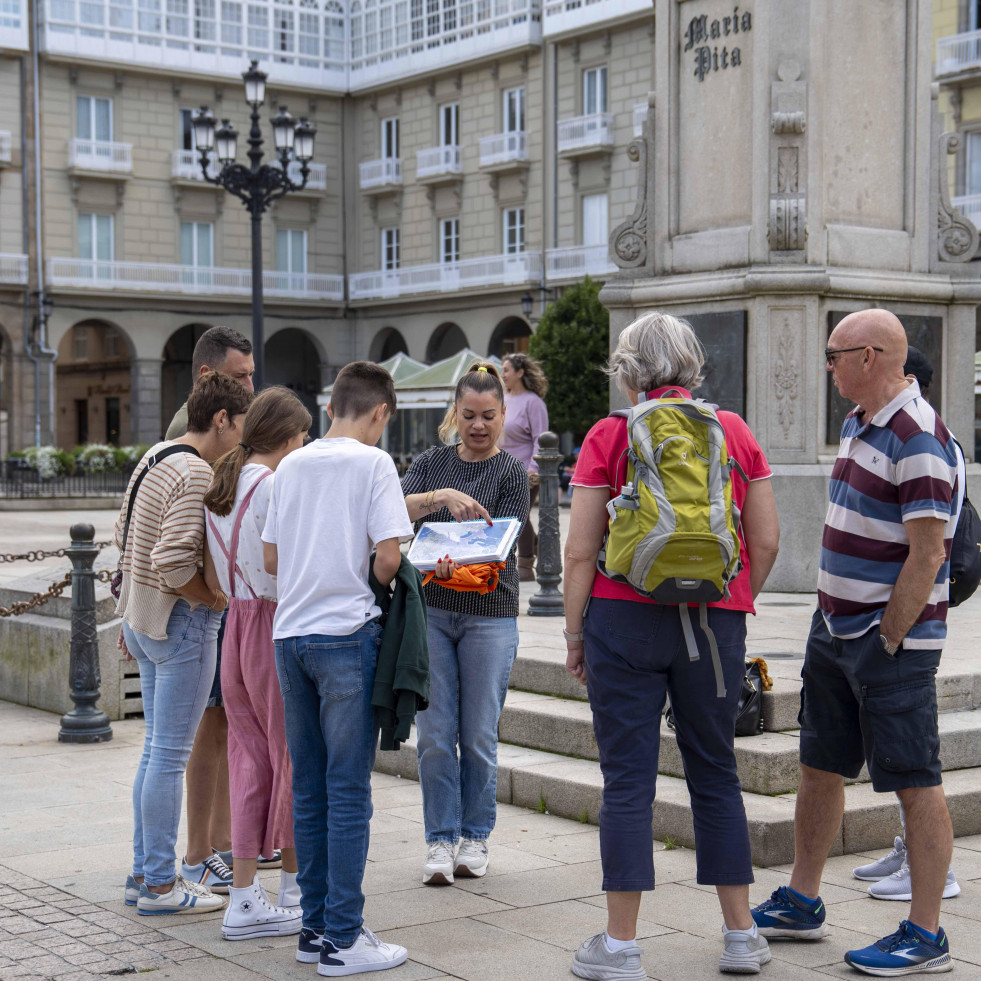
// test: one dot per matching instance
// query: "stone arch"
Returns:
(295, 359)
(510, 336)
(94, 384)
(446, 340)
(386, 344)
(176, 380)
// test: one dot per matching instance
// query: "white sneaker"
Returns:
(367, 953)
(212, 872)
(746, 951)
(184, 897)
(289, 890)
(595, 960)
(438, 870)
(250, 914)
(471, 859)
(883, 867)
(898, 887)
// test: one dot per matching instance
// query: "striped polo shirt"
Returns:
(900, 465)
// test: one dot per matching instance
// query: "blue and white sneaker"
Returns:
(308, 946)
(906, 951)
(131, 892)
(184, 897)
(212, 873)
(784, 915)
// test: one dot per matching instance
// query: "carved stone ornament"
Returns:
(787, 122)
(786, 384)
(628, 241)
(957, 238)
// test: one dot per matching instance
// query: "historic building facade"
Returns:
(470, 154)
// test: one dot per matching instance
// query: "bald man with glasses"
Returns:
(869, 690)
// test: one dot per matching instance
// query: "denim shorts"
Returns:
(862, 705)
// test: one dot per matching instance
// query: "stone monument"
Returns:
(791, 171)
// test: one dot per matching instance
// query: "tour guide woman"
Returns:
(473, 638)
(170, 625)
(633, 651)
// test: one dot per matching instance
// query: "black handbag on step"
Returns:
(749, 715)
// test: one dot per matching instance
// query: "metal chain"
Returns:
(38, 599)
(38, 554)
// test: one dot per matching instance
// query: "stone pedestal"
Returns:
(790, 173)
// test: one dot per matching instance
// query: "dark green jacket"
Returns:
(402, 676)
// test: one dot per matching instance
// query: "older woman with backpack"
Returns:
(635, 649)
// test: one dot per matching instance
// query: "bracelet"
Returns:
(218, 595)
(571, 637)
(430, 504)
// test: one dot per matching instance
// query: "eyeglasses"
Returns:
(829, 355)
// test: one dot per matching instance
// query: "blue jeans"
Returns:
(175, 678)
(470, 662)
(326, 684)
(635, 653)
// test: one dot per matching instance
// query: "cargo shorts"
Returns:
(862, 705)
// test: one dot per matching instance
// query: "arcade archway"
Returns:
(446, 340)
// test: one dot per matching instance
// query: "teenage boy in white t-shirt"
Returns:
(331, 502)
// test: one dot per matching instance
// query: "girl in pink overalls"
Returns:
(259, 773)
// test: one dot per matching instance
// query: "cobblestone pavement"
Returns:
(49, 933)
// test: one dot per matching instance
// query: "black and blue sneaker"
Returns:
(785, 914)
(308, 946)
(907, 951)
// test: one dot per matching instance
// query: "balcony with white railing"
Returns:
(969, 205)
(585, 134)
(186, 166)
(152, 277)
(640, 117)
(579, 261)
(569, 16)
(204, 39)
(13, 269)
(438, 164)
(400, 39)
(379, 176)
(6, 146)
(958, 53)
(316, 176)
(504, 151)
(484, 272)
(100, 157)
(13, 25)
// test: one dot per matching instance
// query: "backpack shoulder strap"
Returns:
(151, 463)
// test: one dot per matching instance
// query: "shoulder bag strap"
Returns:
(151, 463)
(233, 549)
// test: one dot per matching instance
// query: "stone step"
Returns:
(573, 788)
(768, 763)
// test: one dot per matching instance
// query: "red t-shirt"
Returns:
(603, 463)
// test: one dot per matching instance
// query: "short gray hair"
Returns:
(657, 350)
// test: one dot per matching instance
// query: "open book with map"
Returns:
(466, 542)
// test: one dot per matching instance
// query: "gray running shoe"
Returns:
(595, 960)
(883, 867)
(746, 951)
(898, 887)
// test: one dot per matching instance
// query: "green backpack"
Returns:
(674, 529)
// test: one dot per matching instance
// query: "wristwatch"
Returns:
(573, 637)
(888, 646)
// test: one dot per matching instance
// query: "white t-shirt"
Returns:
(249, 559)
(332, 501)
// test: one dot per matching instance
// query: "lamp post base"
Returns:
(85, 727)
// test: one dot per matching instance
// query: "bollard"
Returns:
(84, 723)
(548, 602)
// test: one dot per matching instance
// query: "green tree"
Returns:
(572, 343)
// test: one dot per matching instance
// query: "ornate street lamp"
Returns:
(256, 185)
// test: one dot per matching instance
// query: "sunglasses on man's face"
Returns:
(830, 355)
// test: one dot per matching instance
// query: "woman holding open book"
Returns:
(473, 636)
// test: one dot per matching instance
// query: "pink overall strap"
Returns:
(243, 507)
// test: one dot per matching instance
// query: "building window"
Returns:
(595, 230)
(390, 249)
(197, 244)
(110, 339)
(973, 15)
(514, 230)
(95, 234)
(291, 250)
(80, 343)
(449, 124)
(186, 130)
(594, 90)
(514, 110)
(972, 172)
(449, 240)
(390, 137)
(93, 118)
